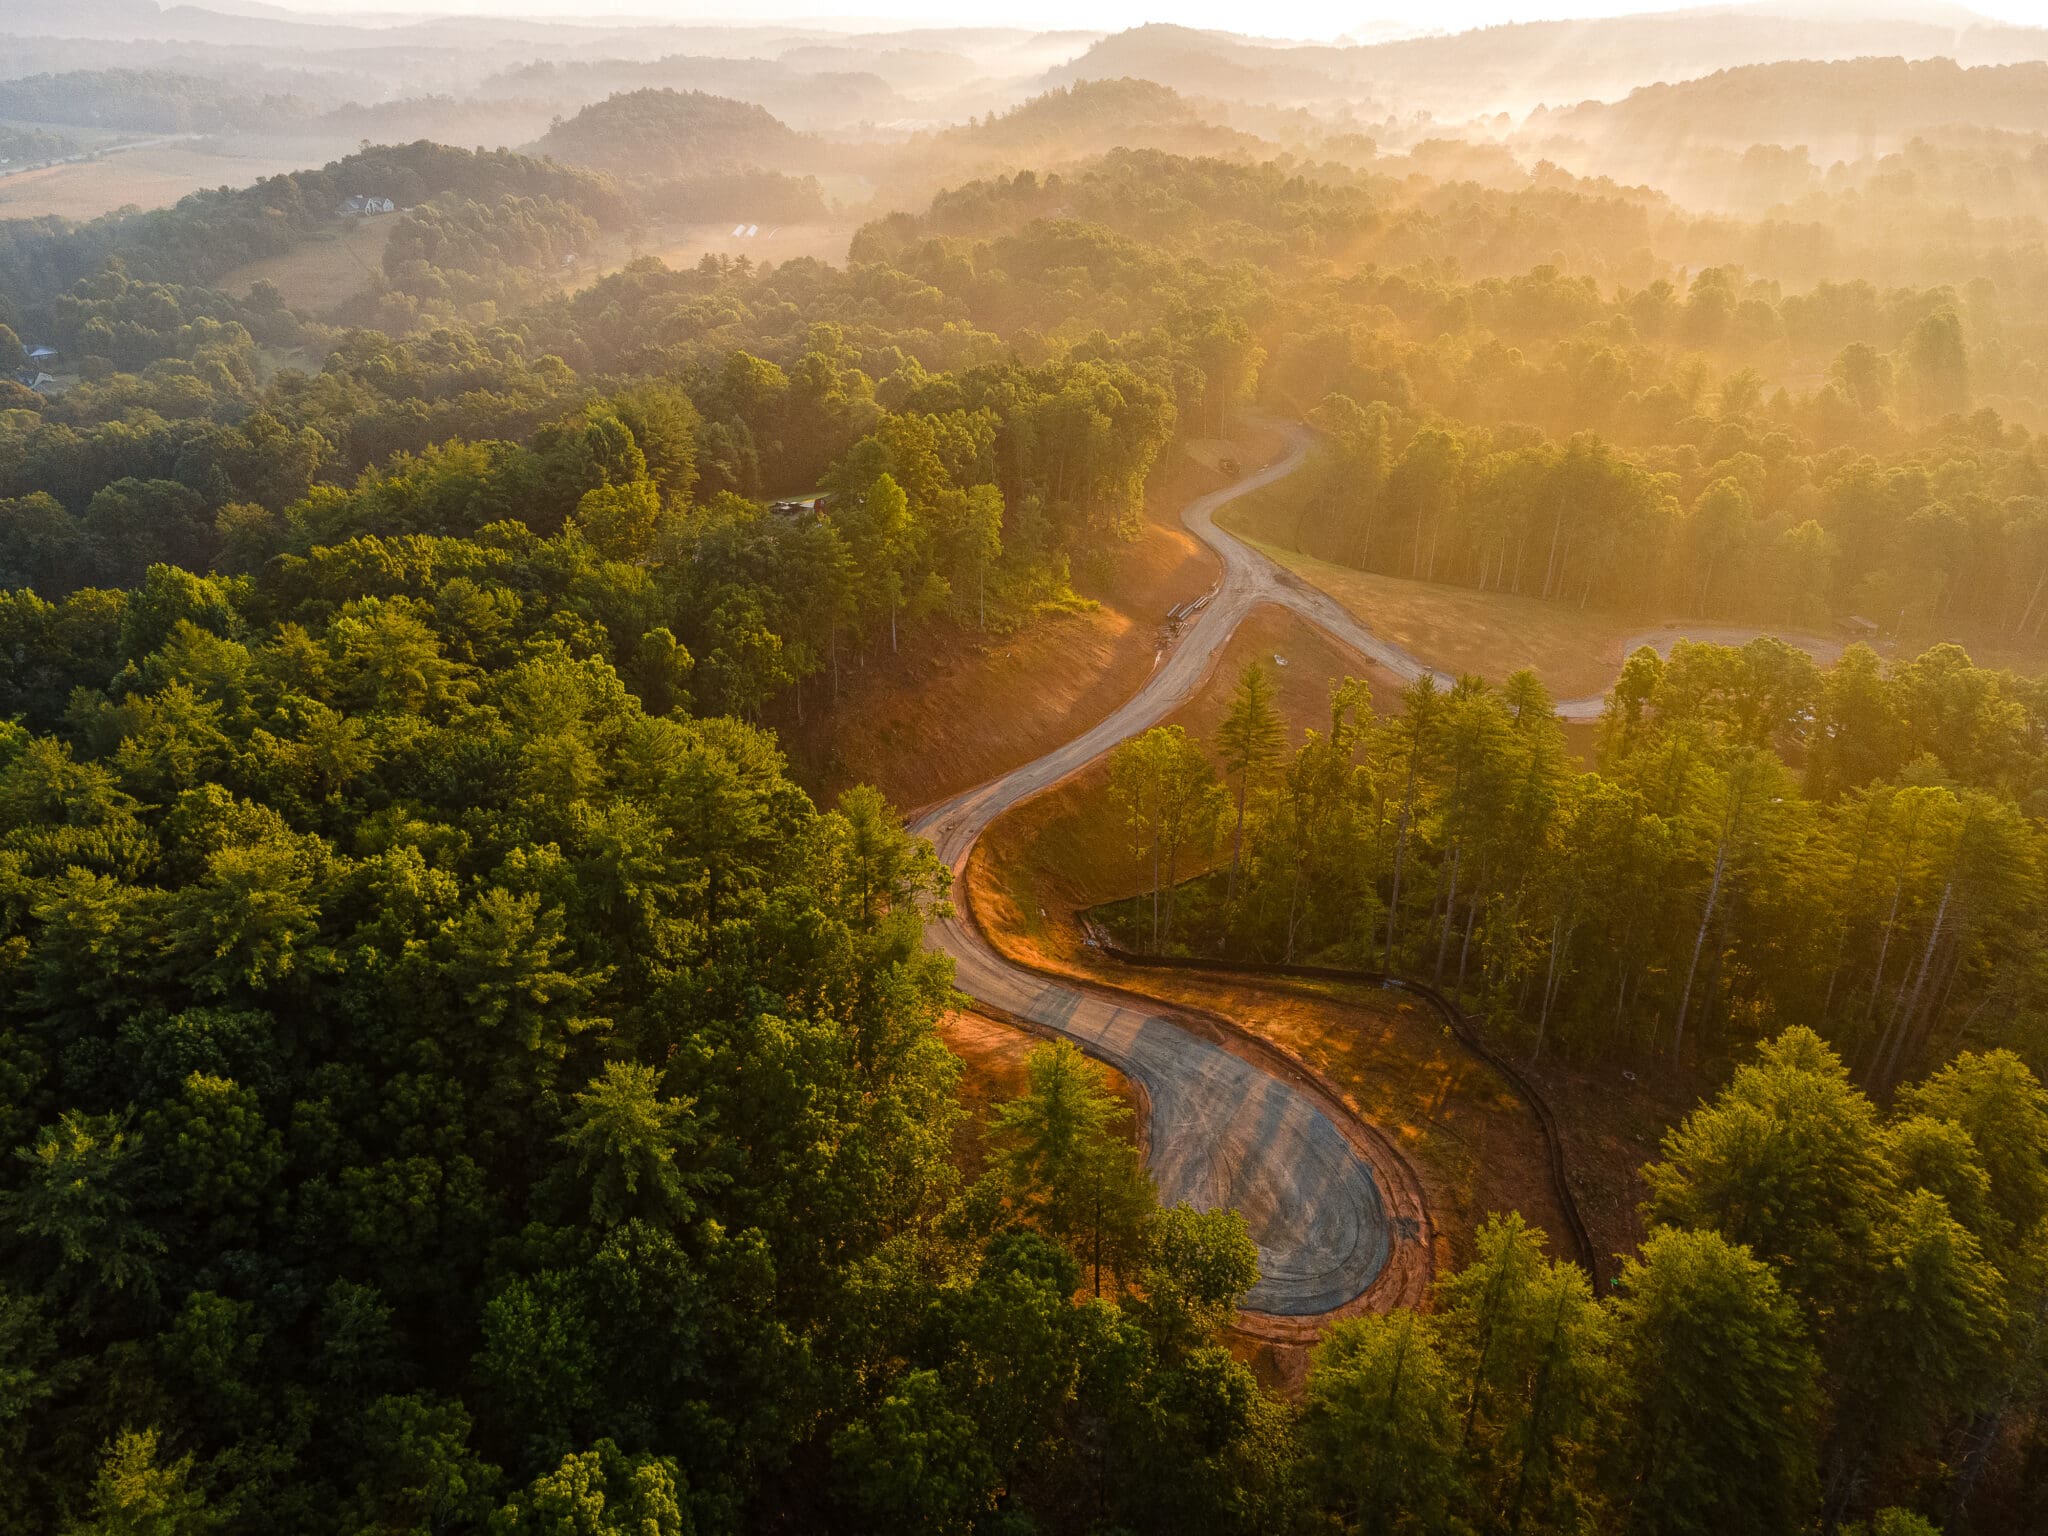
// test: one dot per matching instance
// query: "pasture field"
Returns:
(151, 175)
(1453, 628)
(321, 273)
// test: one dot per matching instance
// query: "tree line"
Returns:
(1689, 893)
(1834, 1323)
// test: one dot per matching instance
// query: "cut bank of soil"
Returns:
(1388, 1061)
(920, 726)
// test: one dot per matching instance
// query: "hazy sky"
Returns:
(1275, 18)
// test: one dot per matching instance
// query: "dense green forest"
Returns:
(207, 235)
(453, 1079)
(1687, 893)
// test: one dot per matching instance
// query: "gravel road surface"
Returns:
(1226, 1130)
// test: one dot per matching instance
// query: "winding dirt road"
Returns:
(1327, 1206)
(1336, 1209)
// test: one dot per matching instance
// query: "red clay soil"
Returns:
(925, 723)
(1386, 1066)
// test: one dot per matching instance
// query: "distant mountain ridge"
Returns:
(1520, 66)
(1808, 100)
(1095, 116)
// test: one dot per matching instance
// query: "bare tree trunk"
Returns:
(1884, 947)
(1172, 883)
(1698, 943)
(1155, 893)
(1394, 897)
(2026, 619)
(1904, 1025)
(1294, 890)
(1443, 938)
(1236, 848)
(1549, 989)
(1465, 949)
(1401, 847)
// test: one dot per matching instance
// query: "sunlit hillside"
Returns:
(964, 776)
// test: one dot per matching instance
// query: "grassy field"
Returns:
(1576, 653)
(152, 176)
(1453, 628)
(322, 272)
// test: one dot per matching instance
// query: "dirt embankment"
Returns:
(920, 726)
(1477, 1148)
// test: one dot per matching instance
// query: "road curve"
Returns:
(1268, 581)
(1223, 1130)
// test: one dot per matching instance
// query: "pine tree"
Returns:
(1068, 1165)
(1720, 1393)
(1249, 740)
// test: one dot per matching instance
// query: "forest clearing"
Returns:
(321, 273)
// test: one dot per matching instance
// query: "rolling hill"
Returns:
(659, 133)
